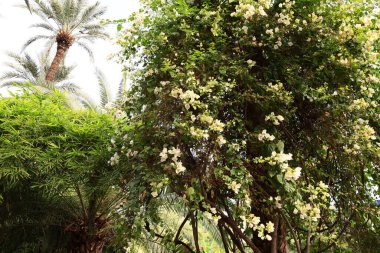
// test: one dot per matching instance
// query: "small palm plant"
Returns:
(68, 22)
(25, 70)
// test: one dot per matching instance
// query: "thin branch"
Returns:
(307, 247)
(340, 234)
(224, 240)
(194, 225)
(181, 227)
(236, 241)
(147, 227)
(298, 247)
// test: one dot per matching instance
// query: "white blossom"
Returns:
(179, 168)
(264, 136)
(164, 155)
(234, 187)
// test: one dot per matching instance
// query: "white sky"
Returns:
(15, 30)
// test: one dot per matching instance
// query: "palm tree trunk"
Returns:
(61, 50)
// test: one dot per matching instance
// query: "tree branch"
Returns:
(181, 227)
(225, 243)
(147, 227)
(275, 235)
(194, 225)
(298, 247)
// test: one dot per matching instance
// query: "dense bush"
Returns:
(55, 179)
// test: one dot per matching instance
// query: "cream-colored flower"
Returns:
(264, 136)
(164, 154)
(179, 168)
(235, 187)
(176, 152)
(269, 227)
(220, 140)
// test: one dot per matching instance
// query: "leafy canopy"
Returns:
(262, 115)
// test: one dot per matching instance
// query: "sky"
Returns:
(15, 29)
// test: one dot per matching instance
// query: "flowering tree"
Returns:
(262, 115)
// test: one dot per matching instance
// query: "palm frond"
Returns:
(31, 66)
(10, 75)
(35, 38)
(213, 229)
(44, 11)
(84, 46)
(85, 100)
(89, 14)
(45, 26)
(105, 95)
(28, 5)
(122, 89)
(49, 46)
(68, 86)
(59, 14)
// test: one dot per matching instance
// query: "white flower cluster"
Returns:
(281, 159)
(318, 199)
(369, 92)
(279, 92)
(212, 215)
(156, 187)
(359, 104)
(248, 9)
(214, 124)
(220, 140)
(264, 136)
(114, 159)
(176, 153)
(189, 97)
(293, 174)
(234, 186)
(199, 133)
(275, 119)
(254, 223)
(251, 63)
(149, 73)
(277, 201)
(119, 114)
(284, 19)
(362, 138)
(307, 210)
(373, 79)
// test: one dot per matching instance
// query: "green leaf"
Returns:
(280, 146)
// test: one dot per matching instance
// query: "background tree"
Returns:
(262, 115)
(67, 22)
(24, 70)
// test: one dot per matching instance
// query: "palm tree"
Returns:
(25, 70)
(68, 22)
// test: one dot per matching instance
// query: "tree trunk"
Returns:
(52, 72)
(84, 242)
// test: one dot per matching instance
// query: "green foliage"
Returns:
(256, 112)
(54, 175)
